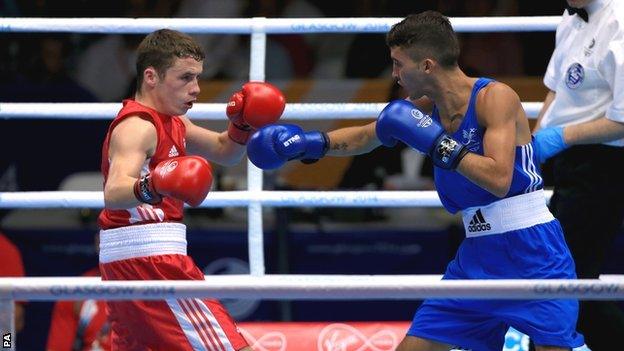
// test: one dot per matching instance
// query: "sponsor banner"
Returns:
(341, 336)
(312, 336)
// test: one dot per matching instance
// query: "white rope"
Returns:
(95, 199)
(293, 111)
(271, 25)
(309, 287)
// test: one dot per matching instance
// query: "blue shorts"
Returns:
(537, 252)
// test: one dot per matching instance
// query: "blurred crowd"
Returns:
(37, 67)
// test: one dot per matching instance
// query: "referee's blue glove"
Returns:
(549, 142)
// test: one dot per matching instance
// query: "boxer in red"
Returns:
(154, 159)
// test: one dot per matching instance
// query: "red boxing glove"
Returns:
(255, 105)
(186, 178)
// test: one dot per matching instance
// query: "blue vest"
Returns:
(458, 192)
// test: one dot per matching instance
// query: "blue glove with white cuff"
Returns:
(549, 142)
(401, 120)
(274, 144)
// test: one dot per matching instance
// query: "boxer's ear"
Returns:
(150, 76)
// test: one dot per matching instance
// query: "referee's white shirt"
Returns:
(586, 70)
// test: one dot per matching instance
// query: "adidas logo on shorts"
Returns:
(478, 223)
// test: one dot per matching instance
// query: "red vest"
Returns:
(171, 143)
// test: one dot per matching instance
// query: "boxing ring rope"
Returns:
(95, 199)
(311, 287)
(257, 285)
(204, 111)
(267, 25)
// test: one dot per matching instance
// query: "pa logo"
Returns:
(6, 341)
(575, 76)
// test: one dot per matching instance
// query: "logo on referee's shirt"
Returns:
(575, 75)
(478, 223)
(588, 50)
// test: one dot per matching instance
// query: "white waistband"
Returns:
(142, 240)
(513, 213)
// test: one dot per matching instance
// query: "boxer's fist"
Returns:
(401, 120)
(254, 106)
(186, 178)
(272, 145)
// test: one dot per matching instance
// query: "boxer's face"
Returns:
(408, 73)
(178, 87)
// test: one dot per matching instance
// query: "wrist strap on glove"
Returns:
(144, 192)
(239, 134)
(326, 144)
(448, 152)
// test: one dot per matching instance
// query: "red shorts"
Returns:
(174, 324)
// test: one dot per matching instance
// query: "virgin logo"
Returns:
(343, 337)
(271, 341)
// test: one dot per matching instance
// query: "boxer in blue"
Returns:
(485, 166)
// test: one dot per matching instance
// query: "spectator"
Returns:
(11, 265)
(476, 46)
(42, 74)
(223, 52)
(80, 325)
(106, 67)
(288, 55)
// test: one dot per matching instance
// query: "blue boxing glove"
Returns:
(274, 144)
(549, 142)
(401, 120)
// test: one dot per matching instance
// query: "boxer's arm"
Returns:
(213, 146)
(362, 139)
(132, 141)
(497, 111)
(353, 140)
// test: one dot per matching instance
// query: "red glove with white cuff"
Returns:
(186, 178)
(254, 106)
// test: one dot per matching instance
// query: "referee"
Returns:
(581, 126)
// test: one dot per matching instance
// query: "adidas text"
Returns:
(479, 227)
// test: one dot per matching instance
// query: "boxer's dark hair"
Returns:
(428, 34)
(159, 49)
